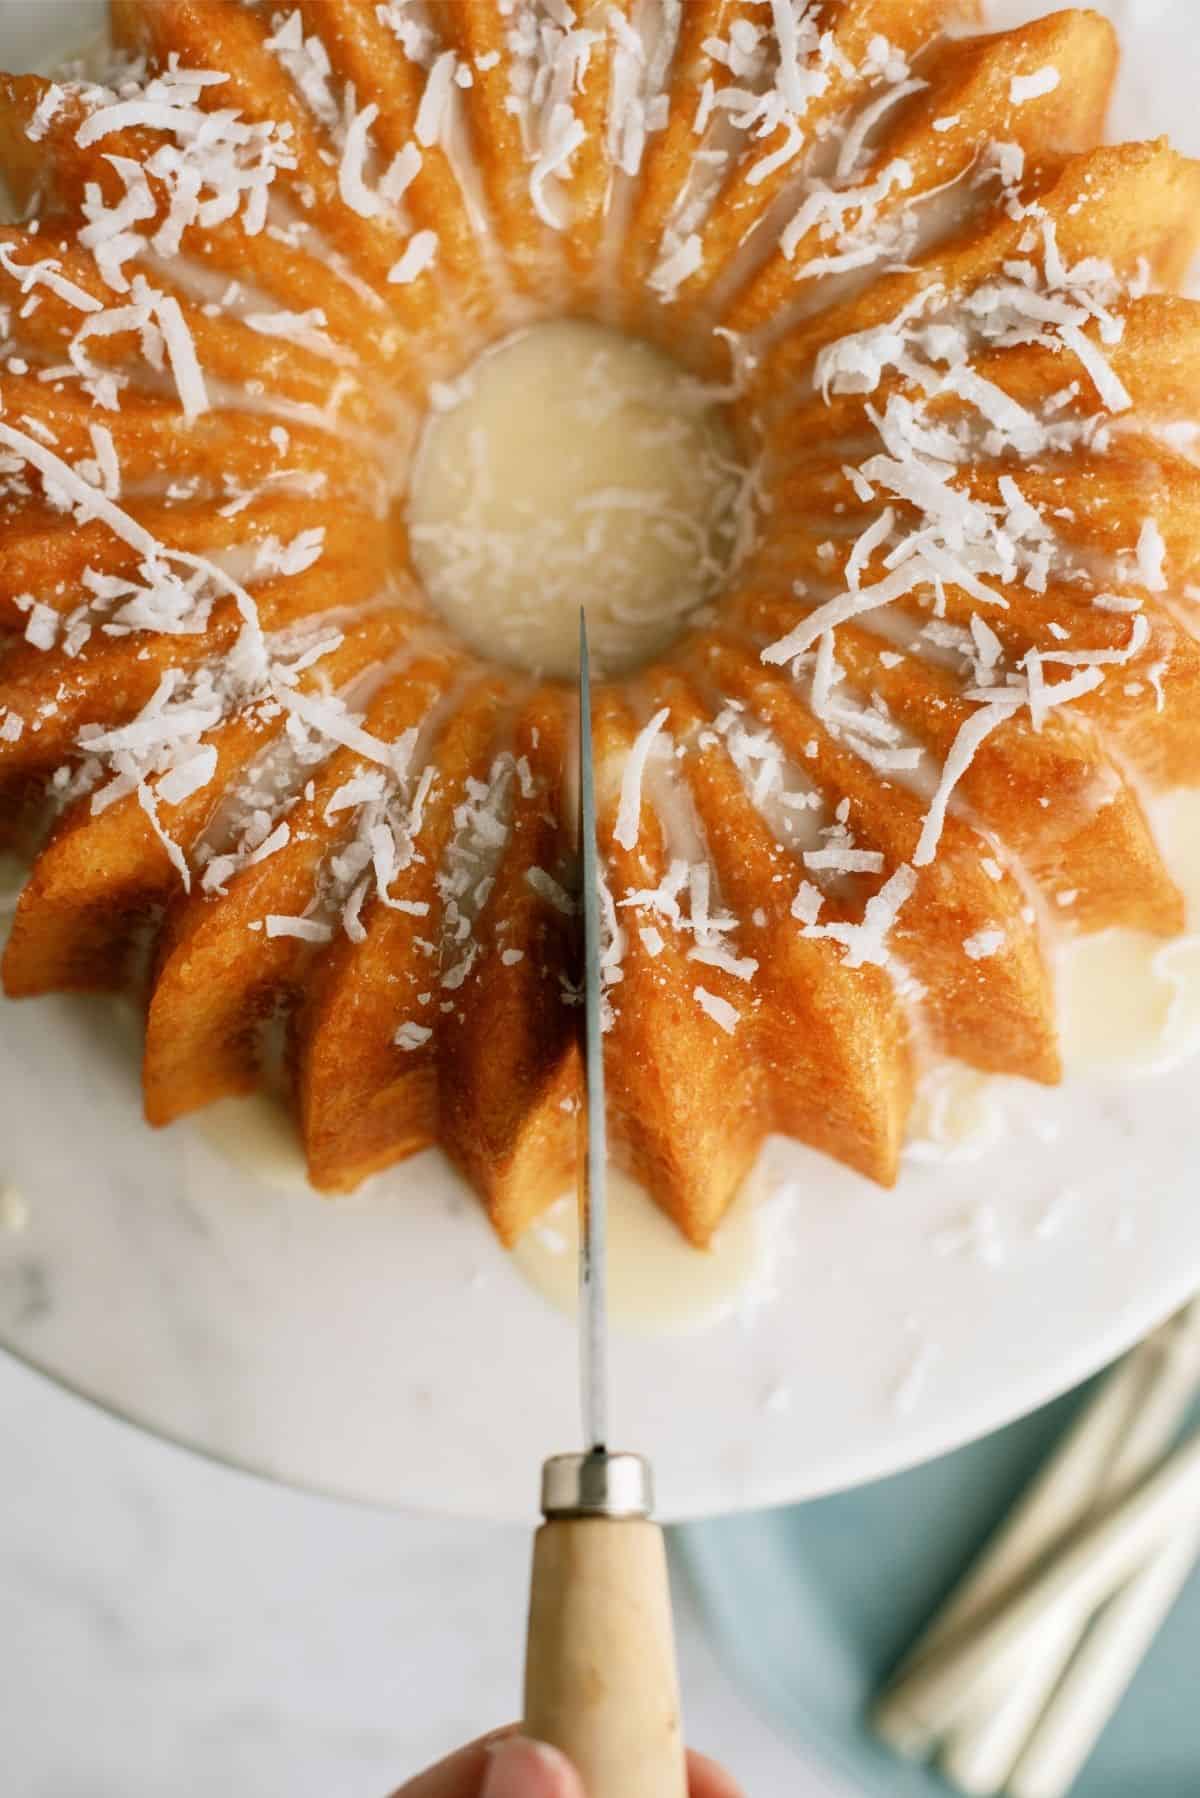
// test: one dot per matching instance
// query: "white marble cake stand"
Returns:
(383, 1347)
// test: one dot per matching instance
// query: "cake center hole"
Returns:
(574, 466)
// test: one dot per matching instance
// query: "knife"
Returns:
(600, 1679)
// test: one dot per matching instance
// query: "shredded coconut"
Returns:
(1032, 87)
(719, 1010)
(984, 944)
(629, 810)
(974, 731)
(45, 112)
(307, 930)
(412, 1036)
(351, 172)
(419, 255)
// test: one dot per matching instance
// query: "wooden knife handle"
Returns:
(600, 1679)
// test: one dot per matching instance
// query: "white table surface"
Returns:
(171, 1629)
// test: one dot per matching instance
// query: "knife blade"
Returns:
(593, 1146)
(600, 1677)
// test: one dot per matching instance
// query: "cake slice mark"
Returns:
(53, 172)
(101, 349)
(683, 1080)
(390, 73)
(507, 1055)
(68, 560)
(273, 75)
(498, 70)
(1090, 838)
(938, 139)
(365, 1040)
(227, 456)
(100, 877)
(842, 55)
(226, 962)
(1136, 206)
(994, 1011)
(833, 1037)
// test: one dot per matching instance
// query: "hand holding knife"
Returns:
(600, 1680)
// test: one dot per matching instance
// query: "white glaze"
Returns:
(657, 1283)
(14, 1211)
(956, 1116)
(258, 1135)
(12, 878)
(573, 466)
(1128, 1005)
(1129, 1002)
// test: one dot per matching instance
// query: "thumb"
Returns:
(518, 1768)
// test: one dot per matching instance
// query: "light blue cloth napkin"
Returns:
(813, 1605)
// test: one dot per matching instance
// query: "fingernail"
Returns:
(522, 1769)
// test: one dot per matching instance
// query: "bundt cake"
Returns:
(908, 742)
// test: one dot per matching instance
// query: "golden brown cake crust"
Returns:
(846, 817)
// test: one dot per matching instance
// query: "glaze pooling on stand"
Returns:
(259, 1136)
(1128, 1007)
(13, 873)
(1131, 1003)
(657, 1285)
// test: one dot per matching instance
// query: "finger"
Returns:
(707, 1780)
(499, 1765)
(522, 1769)
(461, 1775)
